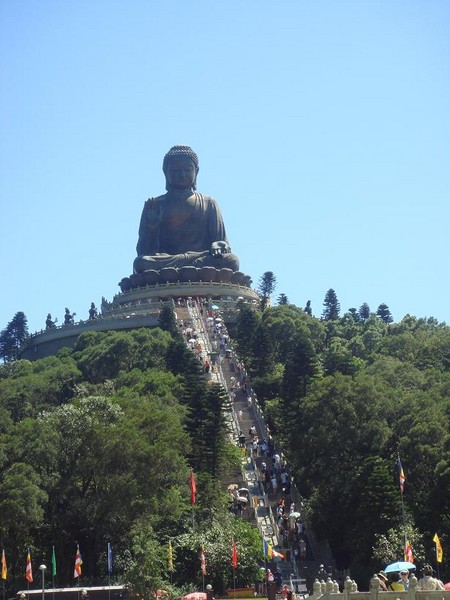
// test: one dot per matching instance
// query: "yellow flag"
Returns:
(170, 557)
(439, 553)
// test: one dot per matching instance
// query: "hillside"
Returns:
(97, 445)
(346, 396)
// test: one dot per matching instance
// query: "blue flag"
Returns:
(110, 558)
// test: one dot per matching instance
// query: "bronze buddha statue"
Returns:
(182, 227)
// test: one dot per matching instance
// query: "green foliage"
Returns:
(167, 320)
(282, 299)
(102, 439)
(331, 306)
(102, 356)
(13, 336)
(364, 311)
(266, 287)
(384, 313)
(344, 396)
(389, 547)
(216, 537)
(96, 447)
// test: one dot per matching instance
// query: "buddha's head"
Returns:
(180, 166)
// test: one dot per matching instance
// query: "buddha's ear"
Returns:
(194, 184)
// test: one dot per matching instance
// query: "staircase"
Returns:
(261, 510)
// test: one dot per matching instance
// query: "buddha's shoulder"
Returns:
(205, 199)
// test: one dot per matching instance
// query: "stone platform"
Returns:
(185, 275)
(136, 308)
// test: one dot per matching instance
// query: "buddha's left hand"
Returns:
(218, 249)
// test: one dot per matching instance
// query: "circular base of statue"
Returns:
(140, 307)
(184, 275)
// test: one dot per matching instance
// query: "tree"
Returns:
(244, 333)
(300, 367)
(167, 321)
(364, 311)
(384, 313)
(263, 351)
(13, 336)
(331, 306)
(266, 287)
(282, 299)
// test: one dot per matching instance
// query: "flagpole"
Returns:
(109, 563)
(53, 572)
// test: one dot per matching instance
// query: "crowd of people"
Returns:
(399, 581)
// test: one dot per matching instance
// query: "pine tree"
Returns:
(266, 287)
(364, 311)
(331, 306)
(167, 321)
(13, 336)
(384, 313)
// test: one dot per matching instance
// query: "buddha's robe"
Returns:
(176, 232)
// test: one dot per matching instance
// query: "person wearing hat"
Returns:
(383, 579)
(428, 583)
(404, 579)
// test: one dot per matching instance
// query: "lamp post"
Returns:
(42, 569)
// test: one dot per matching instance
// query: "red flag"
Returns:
(78, 563)
(193, 487)
(29, 568)
(234, 557)
(203, 561)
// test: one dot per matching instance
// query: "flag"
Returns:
(193, 487)
(270, 552)
(78, 563)
(29, 569)
(409, 557)
(53, 562)
(276, 554)
(267, 549)
(110, 558)
(234, 556)
(4, 567)
(203, 561)
(401, 474)
(439, 553)
(170, 557)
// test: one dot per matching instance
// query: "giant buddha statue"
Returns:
(182, 228)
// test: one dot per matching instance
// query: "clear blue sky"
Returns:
(322, 129)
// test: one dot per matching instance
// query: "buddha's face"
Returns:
(180, 174)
